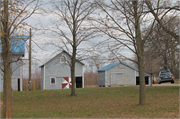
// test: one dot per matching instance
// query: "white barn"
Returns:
(55, 73)
(17, 52)
(120, 74)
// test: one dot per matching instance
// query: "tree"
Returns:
(167, 8)
(164, 46)
(128, 24)
(72, 28)
(90, 78)
(14, 13)
(160, 13)
(95, 59)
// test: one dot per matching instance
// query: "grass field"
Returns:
(177, 81)
(107, 102)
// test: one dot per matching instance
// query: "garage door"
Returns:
(113, 79)
(116, 78)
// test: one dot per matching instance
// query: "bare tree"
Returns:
(95, 58)
(72, 28)
(14, 13)
(160, 10)
(127, 26)
(164, 46)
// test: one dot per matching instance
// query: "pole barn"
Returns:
(120, 73)
(55, 73)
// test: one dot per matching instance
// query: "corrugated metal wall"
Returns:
(16, 72)
(120, 75)
(42, 78)
(101, 78)
(124, 75)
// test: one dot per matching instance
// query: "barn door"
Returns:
(78, 82)
(119, 77)
(14, 83)
(116, 78)
(18, 84)
(113, 78)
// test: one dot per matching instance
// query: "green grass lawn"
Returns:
(100, 102)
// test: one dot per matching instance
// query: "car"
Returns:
(165, 76)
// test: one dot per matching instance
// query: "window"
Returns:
(63, 59)
(52, 80)
(165, 73)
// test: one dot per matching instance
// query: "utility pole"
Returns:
(29, 85)
(151, 75)
(151, 80)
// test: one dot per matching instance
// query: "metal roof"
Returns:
(108, 66)
(17, 44)
(113, 64)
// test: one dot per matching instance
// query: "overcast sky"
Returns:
(41, 50)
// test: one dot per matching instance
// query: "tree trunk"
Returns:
(142, 80)
(6, 63)
(165, 63)
(173, 66)
(140, 54)
(6, 85)
(73, 61)
(140, 46)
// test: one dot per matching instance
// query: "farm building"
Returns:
(55, 73)
(120, 74)
(17, 52)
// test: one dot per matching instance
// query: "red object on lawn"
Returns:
(154, 79)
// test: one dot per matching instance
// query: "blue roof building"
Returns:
(17, 49)
(120, 73)
(108, 66)
(17, 44)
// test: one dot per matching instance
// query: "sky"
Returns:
(42, 51)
